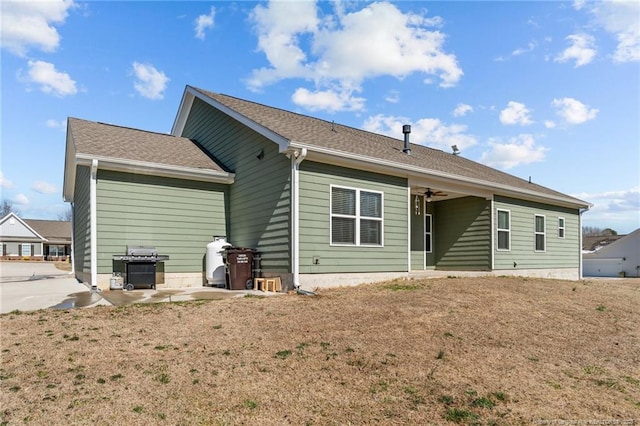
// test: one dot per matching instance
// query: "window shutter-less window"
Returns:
(343, 229)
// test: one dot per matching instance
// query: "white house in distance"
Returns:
(620, 258)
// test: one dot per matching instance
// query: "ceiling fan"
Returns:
(429, 194)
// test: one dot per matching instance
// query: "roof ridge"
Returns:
(125, 127)
(378, 135)
(333, 123)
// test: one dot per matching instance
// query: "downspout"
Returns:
(580, 211)
(93, 223)
(493, 233)
(296, 158)
(73, 232)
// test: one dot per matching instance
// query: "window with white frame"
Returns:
(26, 249)
(428, 236)
(504, 230)
(356, 217)
(539, 232)
(561, 227)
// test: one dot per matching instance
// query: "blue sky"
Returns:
(547, 90)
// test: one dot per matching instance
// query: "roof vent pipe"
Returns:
(406, 129)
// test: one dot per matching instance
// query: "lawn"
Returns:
(439, 351)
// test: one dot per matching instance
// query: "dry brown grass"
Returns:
(466, 350)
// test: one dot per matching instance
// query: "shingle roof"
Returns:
(343, 139)
(52, 230)
(109, 141)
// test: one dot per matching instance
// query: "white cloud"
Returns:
(613, 209)
(21, 199)
(4, 182)
(56, 124)
(574, 111)
(426, 131)
(51, 80)
(522, 50)
(26, 24)
(150, 82)
(204, 22)
(578, 4)
(44, 187)
(327, 100)
(462, 110)
(515, 113)
(622, 19)
(549, 124)
(519, 150)
(346, 48)
(582, 50)
(393, 97)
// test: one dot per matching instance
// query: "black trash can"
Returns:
(239, 263)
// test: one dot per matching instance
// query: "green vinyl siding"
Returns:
(315, 194)
(178, 217)
(462, 234)
(558, 253)
(82, 221)
(260, 195)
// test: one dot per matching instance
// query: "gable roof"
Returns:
(138, 151)
(598, 242)
(327, 139)
(55, 231)
(23, 230)
(623, 243)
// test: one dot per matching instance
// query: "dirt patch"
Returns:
(468, 350)
(63, 266)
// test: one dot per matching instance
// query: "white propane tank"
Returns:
(215, 272)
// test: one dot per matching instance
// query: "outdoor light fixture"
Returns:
(417, 203)
(261, 155)
(428, 194)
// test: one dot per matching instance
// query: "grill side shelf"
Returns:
(128, 258)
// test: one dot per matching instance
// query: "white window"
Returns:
(504, 230)
(539, 232)
(428, 236)
(561, 227)
(26, 249)
(356, 217)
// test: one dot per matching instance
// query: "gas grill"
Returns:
(140, 266)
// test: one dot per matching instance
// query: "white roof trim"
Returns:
(419, 173)
(330, 156)
(155, 169)
(33, 231)
(187, 103)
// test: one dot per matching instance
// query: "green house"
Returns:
(324, 204)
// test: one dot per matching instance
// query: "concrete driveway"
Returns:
(29, 286)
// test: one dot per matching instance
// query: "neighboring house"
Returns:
(618, 258)
(322, 202)
(32, 239)
(597, 242)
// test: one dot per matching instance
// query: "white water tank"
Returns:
(215, 272)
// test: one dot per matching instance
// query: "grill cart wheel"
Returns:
(128, 287)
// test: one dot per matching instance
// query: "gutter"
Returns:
(402, 169)
(297, 157)
(93, 225)
(155, 169)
